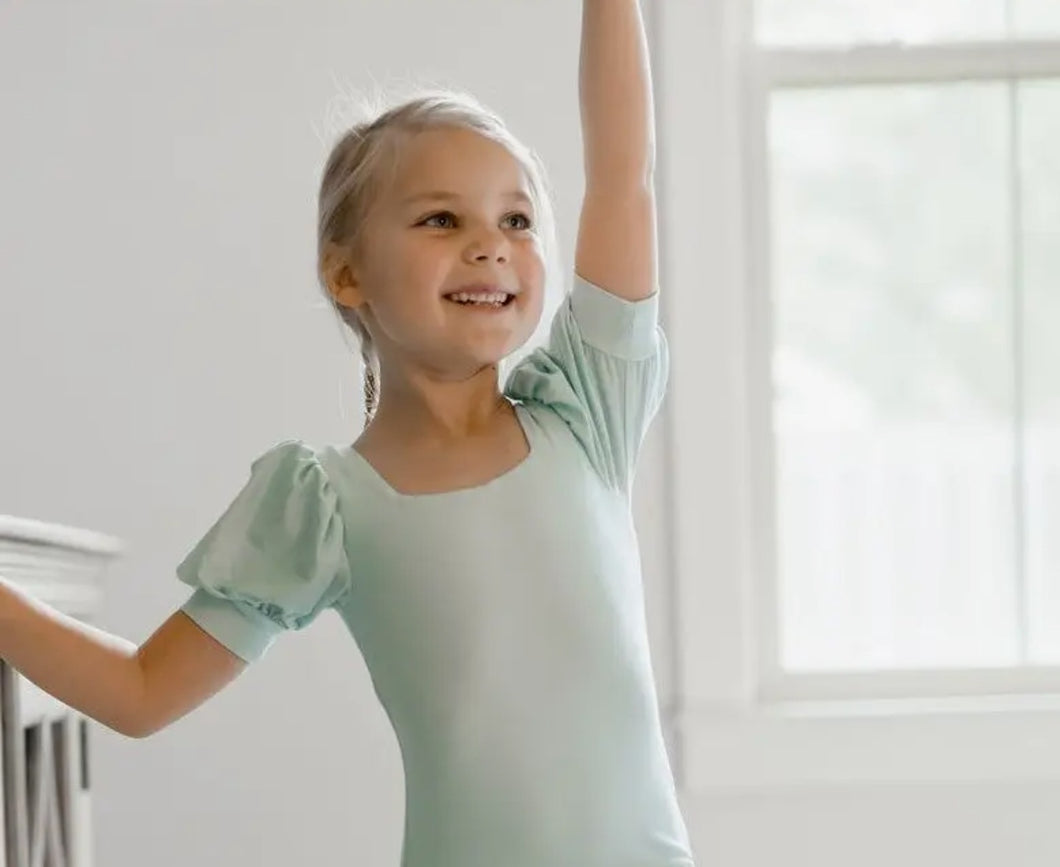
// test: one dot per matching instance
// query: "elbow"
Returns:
(135, 723)
(137, 733)
(139, 728)
(127, 729)
(123, 728)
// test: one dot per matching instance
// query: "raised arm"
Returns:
(617, 247)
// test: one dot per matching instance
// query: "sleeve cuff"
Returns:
(615, 325)
(245, 633)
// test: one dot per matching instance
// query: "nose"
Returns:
(488, 244)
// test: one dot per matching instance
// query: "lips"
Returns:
(483, 305)
(489, 289)
(483, 288)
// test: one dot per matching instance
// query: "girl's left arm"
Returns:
(617, 247)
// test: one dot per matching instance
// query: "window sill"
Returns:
(987, 739)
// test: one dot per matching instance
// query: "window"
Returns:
(861, 224)
(912, 228)
(813, 23)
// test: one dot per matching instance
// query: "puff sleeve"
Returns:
(274, 559)
(604, 371)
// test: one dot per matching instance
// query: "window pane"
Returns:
(1036, 18)
(894, 376)
(1040, 133)
(826, 22)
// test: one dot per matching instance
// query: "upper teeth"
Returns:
(493, 298)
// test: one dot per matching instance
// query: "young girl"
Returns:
(477, 541)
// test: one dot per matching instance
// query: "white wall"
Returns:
(160, 327)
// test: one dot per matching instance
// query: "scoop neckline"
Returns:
(391, 491)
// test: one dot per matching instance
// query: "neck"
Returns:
(439, 410)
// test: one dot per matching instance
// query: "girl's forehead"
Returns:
(457, 159)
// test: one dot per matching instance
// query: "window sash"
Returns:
(733, 723)
(770, 69)
(886, 64)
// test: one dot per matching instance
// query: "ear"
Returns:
(340, 277)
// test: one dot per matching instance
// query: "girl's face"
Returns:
(418, 249)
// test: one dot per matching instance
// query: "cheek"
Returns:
(533, 265)
(408, 269)
(423, 262)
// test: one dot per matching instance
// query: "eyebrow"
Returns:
(444, 196)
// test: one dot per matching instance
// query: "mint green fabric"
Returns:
(503, 625)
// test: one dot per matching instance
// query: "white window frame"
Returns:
(735, 723)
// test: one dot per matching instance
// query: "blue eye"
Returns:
(435, 216)
(528, 221)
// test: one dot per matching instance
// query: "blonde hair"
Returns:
(362, 164)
